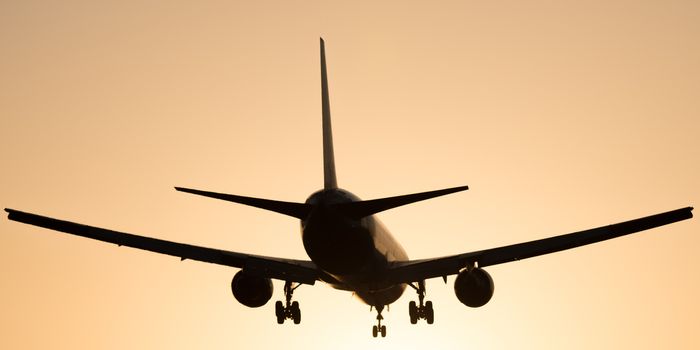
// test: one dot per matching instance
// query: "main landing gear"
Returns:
(379, 328)
(420, 311)
(289, 310)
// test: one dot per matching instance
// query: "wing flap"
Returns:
(284, 269)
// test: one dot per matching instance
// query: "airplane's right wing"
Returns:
(300, 271)
(418, 270)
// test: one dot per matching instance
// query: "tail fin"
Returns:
(329, 179)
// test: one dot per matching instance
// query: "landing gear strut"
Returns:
(288, 310)
(379, 328)
(421, 311)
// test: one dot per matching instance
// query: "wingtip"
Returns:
(459, 188)
(12, 211)
(12, 214)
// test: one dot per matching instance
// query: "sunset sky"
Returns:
(559, 115)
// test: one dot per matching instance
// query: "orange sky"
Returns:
(560, 116)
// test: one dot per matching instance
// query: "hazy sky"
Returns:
(559, 115)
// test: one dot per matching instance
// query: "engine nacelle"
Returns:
(474, 288)
(251, 290)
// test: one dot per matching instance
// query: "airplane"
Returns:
(349, 248)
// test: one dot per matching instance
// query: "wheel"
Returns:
(413, 312)
(374, 331)
(430, 317)
(279, 308)
(429, 313)
(383, 331)
(279, 312)
(296, 313)
(297, 316)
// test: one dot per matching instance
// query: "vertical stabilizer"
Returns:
(329, 179)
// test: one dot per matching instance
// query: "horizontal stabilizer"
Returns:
(365, 208)
(297, 210)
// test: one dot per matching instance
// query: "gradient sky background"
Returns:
(559, 115)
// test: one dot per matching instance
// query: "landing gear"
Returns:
(422, 311)
(379, 328)
(288, 310)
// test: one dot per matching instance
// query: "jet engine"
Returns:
(251, 290)
(474, 288)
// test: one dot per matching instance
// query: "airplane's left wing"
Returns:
(418, 270)
(300, 271)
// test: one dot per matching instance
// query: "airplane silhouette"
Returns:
(349, 248)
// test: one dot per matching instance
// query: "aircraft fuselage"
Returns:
(355, 253)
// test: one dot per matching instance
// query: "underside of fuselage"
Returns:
(354, 252)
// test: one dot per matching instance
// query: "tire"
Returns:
(279, 312)
(296, 314)
(383, 331)
(413, 312)
(374, 331)
(429, 313)
(279, 309)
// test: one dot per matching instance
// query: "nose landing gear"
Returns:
(421, 311)
(379, 328)
(288, 310)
